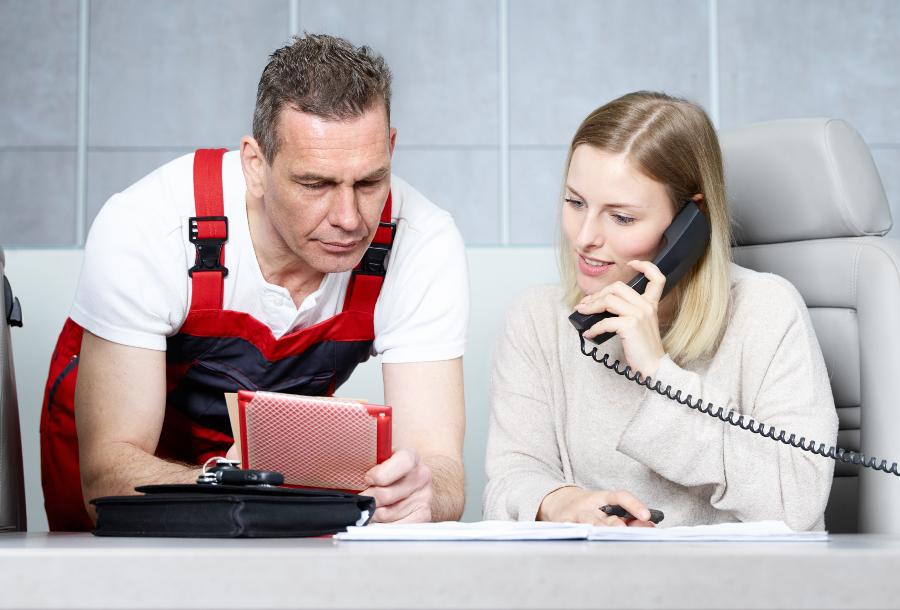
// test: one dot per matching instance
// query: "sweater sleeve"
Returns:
(523, 459)
(752, 477)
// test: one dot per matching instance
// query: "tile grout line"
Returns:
(81, 123)
(293, 17)
(503, 26)
(714, 62)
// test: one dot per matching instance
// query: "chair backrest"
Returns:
(807, 204)
(12, 484)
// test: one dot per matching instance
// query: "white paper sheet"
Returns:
(756, 531)
(480, 530)
(761, 531)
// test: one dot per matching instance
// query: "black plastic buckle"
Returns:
(11, 305)
(374, 261)
(209, 250)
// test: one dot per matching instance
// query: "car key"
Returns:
(221, 471)
(236, 476)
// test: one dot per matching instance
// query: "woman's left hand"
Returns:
(636, 321)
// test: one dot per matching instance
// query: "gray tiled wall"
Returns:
(38, 76)
(38, 85)
(567, 58)
(487, 92)
(177, 74)
(444, 57)
(794, 58)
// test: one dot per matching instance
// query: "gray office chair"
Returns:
(12, 483)
(808, 204)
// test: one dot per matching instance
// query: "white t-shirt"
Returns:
(134, 287)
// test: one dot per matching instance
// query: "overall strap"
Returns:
(208, 231)
(368, 276)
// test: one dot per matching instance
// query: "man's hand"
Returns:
(402, 488)
(576, 505)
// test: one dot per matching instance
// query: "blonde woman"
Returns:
(568, 436)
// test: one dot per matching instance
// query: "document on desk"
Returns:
(760, 531)
(754, 531)
(480, 530)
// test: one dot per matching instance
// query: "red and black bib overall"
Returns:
(214, 352)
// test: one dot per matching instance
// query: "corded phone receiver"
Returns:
(684, 242)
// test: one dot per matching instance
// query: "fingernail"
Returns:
(368, 481)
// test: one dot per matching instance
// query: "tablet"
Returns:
(314, 441)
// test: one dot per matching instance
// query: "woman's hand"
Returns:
(636, 318)
(576, 505)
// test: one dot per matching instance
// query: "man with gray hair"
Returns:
(277, 267)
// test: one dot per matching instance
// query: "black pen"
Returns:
(617, 511)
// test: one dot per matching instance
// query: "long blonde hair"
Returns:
(673, 142)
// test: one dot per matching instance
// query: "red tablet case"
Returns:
(314, 441)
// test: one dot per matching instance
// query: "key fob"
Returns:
(236, 476)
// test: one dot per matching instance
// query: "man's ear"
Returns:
(393, 139)
(254, 165)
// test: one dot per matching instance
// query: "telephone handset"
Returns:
(685, 242)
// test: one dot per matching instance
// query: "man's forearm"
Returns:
(124, 467)
(448, 479)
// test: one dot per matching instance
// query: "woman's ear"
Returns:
(700, 200)
(254, 166)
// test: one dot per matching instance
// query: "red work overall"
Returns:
(214, 352)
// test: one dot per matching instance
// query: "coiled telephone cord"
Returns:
(736, 419)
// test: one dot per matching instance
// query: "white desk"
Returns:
(82, 571)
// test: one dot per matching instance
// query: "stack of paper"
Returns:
(481, 530)
(760, 531)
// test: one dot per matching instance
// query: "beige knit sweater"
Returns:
(558, 418)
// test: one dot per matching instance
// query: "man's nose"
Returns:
(344, 210)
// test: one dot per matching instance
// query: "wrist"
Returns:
(652, 367)
(550, 505)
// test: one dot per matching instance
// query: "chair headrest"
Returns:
(800, 179)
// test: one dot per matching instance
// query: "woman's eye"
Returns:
(575, 203)
(623, 220)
